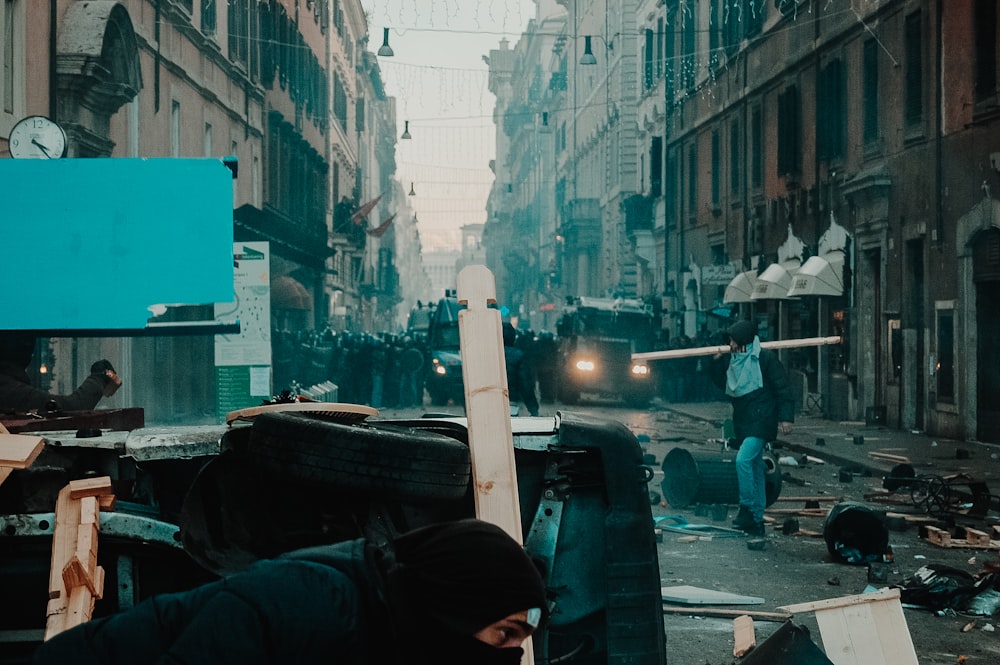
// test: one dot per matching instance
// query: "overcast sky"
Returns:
(440, 83)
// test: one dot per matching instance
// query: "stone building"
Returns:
(823, 167)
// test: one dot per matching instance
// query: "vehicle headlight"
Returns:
(640, 370)
(585, 365)
(440, 369)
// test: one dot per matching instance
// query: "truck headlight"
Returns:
(440, 369)
(640, 370)
(585, 365)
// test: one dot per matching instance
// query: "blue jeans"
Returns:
(750, 476)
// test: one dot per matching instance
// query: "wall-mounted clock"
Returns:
(37, 137)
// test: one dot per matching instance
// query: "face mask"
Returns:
(470, 651)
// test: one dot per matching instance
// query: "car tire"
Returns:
(403, 462)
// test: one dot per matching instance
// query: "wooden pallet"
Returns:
(974, 538)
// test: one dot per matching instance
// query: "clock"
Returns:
(37, 137)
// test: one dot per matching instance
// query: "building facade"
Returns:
(827, 168)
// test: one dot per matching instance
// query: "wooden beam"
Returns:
(712, 350)
(744, 638)
(726, 614)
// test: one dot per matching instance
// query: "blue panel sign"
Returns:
(94, 243)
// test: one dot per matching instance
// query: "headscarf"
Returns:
(464, 575)
(744, 375)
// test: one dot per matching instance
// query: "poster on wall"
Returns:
(243, 361)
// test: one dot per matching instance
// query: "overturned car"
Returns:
(192, 504)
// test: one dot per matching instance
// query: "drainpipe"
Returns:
(53, 35)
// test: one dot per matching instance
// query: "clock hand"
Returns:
(42, 148)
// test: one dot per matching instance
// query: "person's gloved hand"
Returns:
(112, 382)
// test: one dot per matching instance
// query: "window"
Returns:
(11, 50)
(239, 31)
(670, 188)
(208, 16)
(659, 48)
(647, 61)
(716, 170)
(669, 63)
(914, 96)
(339, 102)
(175, 128)
(789, 132)
(656, 166)
(831, 110)
(734, 158)
(944, 369)
(869, 93)
(207, 140)
(693, 180)
(688, 61)
(986, 51)
(714, 33)
(757, 149)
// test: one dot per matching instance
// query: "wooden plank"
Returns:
(841, 601)
(18, 451)
(723, 613)
(487, 402)
(805, 499)
(90, 487)
(487, 407)
(67, 517)
(744, 637)
(5, 471)
(712, 350)
(888, 457)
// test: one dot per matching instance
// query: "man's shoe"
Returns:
(743, 519)
(755, 529)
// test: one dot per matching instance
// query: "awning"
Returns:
(820, 276)
(741, 287)
(774, 282)
(288, 293)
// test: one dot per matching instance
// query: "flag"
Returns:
(361, 213)
(380, 230)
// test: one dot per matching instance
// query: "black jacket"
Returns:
(320, 604)
(520, 379)
(17, 395)
(758, 413)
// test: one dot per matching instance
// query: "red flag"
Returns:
(380, 230)
(361, 213)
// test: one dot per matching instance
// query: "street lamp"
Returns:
(385, 50)
(588, 57)
(406, 130)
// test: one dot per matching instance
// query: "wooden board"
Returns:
(864, 629)
(744, 637)
(18, 451)
(487, 406)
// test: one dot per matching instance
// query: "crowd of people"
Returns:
(388, 370)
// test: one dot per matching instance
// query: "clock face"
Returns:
(37, 137)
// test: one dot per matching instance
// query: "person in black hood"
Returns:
(17, 395)
(452, 593)
(763, 404)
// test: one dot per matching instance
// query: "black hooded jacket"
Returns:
(270, 613)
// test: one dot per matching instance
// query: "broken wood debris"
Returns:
(75, 579)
